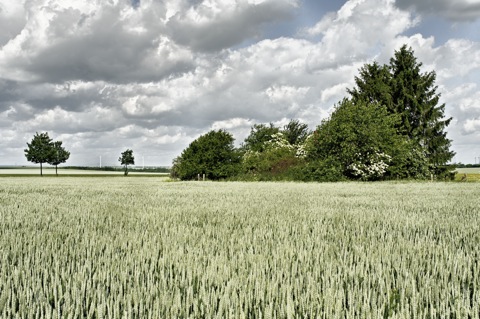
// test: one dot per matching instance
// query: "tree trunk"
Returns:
(56, 171)
(126, 171)
(41, 171)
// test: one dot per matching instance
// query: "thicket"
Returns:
(390, 127)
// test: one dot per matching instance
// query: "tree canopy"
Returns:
(38, 151)
(212, 154)
(126, 159)
(296, 132)
(259, 135)
(59, 155)
(43, 150)
(360, 137)
(412, 95)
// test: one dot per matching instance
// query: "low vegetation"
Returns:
(143, 248)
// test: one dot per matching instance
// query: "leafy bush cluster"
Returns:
(391, 127)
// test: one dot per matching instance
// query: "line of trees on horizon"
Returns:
(42, 149)
(390, 127)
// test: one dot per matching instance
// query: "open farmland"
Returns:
(469, 174)
(10, 172)
(143, 248)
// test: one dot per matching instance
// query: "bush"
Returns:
(212, 154)
(327, 170)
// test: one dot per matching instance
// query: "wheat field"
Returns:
(139, 247)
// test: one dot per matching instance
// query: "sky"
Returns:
(103, 76)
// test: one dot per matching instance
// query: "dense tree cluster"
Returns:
(412, 96)
(390, 127)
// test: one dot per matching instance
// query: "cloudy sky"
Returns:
(153, 75)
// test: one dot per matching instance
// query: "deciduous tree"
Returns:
(360, 137)
(296, 132)
(58, 155)
(259, 135)
(39, 150)
(212, 154)
(126, 159)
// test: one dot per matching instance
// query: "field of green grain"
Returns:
(468, 174)
(139, 247)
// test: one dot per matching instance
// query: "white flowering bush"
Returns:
(370, 166)
(278, 140)
(276, 157)
(302, 150)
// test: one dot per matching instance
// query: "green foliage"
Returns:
(259, 135)
(410, 94)
(360, 137)
(296, 132)
(373, 85)
(410, 162)
(38, 151)
(326, 170)
(59, 155)
(276, 149)
(126, 159)
(43, 150)
(416, 99)
(392, 128)
(212, 154)
(274, 154)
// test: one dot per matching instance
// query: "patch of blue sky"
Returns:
(443, 30)
(135, 3)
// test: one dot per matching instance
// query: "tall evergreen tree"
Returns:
(373, 85)
(412, 95)
(415, 98)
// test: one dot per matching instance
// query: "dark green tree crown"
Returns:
(39, 149)
(127, 158)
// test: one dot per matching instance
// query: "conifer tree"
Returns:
(415, 98)
(412, 95)
(373, 85)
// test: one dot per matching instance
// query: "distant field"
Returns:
(469, 170)
(78, 247)
(469, 174)
(70, 172)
